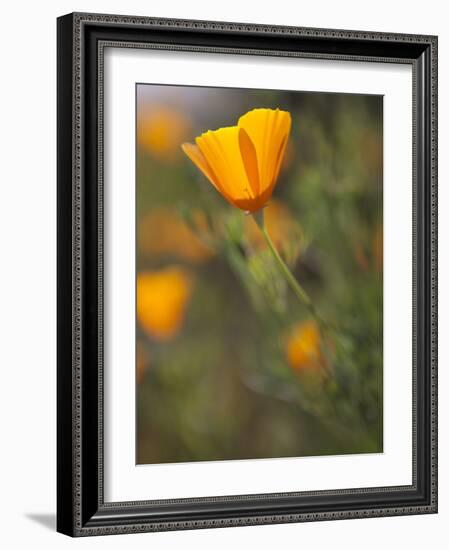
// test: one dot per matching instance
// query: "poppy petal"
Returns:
(197, 157)
(268, 129)
(221, 149)
(249, 156)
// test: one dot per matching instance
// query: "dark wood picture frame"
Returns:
(81, 509)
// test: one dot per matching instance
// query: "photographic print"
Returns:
(258, 273)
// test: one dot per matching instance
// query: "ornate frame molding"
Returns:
(81, 507)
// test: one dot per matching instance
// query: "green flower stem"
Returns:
(300, 293)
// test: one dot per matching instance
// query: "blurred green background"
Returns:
(228, 364)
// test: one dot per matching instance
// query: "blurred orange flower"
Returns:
(160, 130)
(243, 162)
(303, 347)
(162, 298)
(163, 232)
(282, 227)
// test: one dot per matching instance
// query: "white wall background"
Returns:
(28, 267)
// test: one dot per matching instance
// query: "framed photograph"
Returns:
(247, 278)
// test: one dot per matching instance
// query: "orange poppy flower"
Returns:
(160, 130)
(163, 232)
(243, 162)
(303, 347)
(162, 298)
